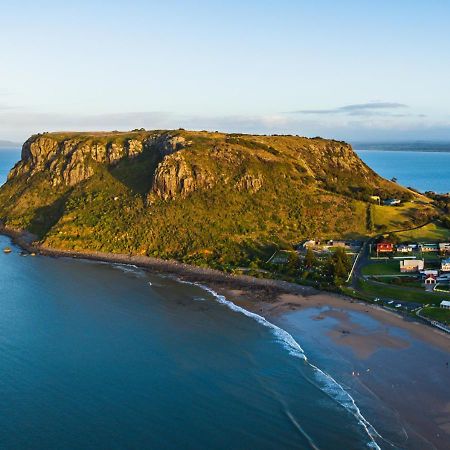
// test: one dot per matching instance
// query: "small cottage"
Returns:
(427, 248)
(391, 202)
(385, 247)
(445, 265)
(411, 265)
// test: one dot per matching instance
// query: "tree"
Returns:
(293, 264)
(310, 258)
(339, 264)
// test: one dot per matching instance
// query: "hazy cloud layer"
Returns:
(19, 125)
(359, 109)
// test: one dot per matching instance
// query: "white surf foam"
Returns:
(326, 382)
(129, 268)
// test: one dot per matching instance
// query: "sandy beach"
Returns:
(361, 336)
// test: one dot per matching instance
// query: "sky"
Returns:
(347, 69)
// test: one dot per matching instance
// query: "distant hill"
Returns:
(414, 146)
(8, 144)
(204, 198)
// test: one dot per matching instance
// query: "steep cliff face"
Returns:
(176, 177)
(70, 159)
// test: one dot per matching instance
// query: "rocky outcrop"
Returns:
(250, 183)
(71, 160)
(175, 177)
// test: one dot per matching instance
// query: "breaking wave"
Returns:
(325, 381)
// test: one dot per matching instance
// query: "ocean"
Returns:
(8, 157)
(424, 167)
(97, 355)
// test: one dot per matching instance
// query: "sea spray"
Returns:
(326, 382)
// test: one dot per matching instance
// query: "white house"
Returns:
(445, 265)
(411, 265)
(445, 304)
(444, 247)
(391, 202)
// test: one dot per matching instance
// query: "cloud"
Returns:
(18, 125)
(358, 109)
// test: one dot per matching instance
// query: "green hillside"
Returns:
(204, 198)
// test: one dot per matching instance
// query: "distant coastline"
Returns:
(9, 145)
(405, 146)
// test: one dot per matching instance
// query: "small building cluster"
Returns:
(317, 245)
(415, 256)
(386, 201)
(442, 248)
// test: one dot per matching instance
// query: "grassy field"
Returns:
(427, 233)
(439, 314)
(408, 214)
(389, 267)
(401, 294)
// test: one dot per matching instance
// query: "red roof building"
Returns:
(385, 247)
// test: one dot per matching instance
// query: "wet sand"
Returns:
(393, 366)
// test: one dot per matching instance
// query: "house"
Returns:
(413, 247)
(310, 243)
(430, 280)
(385, 247)
(402, 248)
(391, 202)
(411, 265)
(427, 248)
(445, 304)
(445, 265)
(332, 243)
(444, 247)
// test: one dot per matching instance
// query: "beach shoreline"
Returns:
(265, 296)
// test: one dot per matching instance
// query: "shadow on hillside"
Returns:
(48, 216)
(137, 173)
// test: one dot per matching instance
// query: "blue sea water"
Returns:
(95, 355)
(8, 157)
(421, 170)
